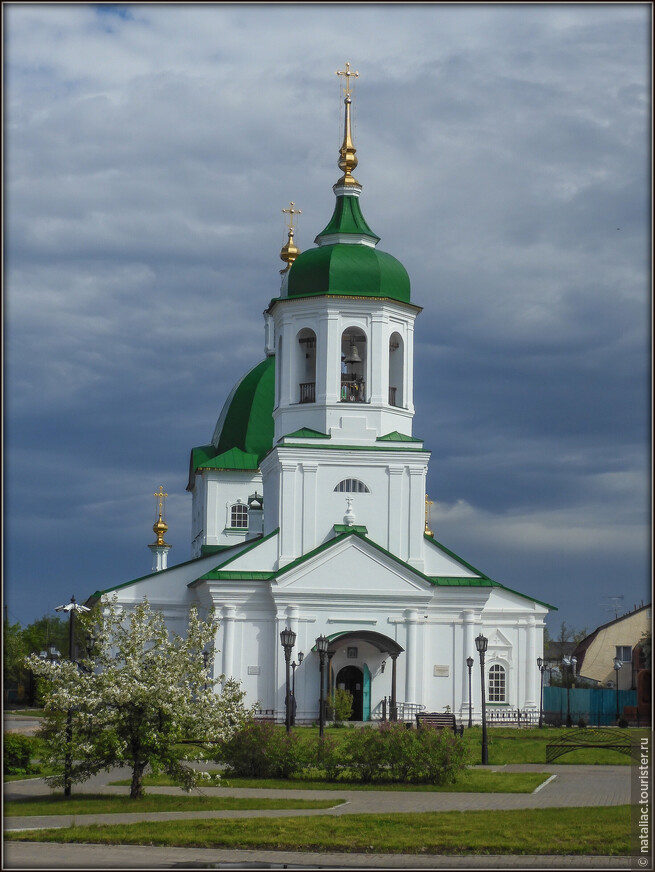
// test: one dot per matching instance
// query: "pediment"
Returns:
(499, 640)
(353, 567)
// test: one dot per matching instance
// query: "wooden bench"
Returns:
(439, 721)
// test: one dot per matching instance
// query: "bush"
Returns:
(342, 704)
(329, 757)
(262, 750)
(364, 752)
(17, 754)
(582, 723)
(440, 757)
(401, 749)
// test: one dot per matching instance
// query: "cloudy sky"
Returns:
(504, 156)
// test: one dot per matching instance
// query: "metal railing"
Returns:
(308, 392)
(527, 718)
(353, 390)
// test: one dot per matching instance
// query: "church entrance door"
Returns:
(351, 678)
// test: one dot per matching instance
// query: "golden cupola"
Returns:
(290, 251)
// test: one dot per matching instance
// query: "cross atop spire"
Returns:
(347, 159)
(348, 76)
(161, 497)
(291, 212)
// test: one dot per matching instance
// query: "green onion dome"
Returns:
(244, 431)
(348, 269)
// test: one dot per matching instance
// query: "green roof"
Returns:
(347, 218)
(395, 436)
(307, 433)
(244, 431)
(348, 269)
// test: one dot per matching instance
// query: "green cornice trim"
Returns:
(254, 544)
(306, 433)
(395, 436)
(213, 549)
(234, 575)
(456, 557)
(345, 528)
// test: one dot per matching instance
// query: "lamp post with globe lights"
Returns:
(481, 643)
(542, 668)
(288, 640)
(469, 663)
(321, 646)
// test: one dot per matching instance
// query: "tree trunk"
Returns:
(136, 789)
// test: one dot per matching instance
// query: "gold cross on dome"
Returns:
(161, 497)
(291, 212)
(348, 76)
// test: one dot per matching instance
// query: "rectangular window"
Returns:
(497, 684)
(624, 653)
(352, 653)
(239, 516)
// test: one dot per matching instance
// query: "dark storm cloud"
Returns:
(504, 156)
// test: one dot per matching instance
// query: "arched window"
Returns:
(497, 687)
(353, 366)
(351, 486)
(306, 366)
(239, 515)
(396, 370)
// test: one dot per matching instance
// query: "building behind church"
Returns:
(309, 506)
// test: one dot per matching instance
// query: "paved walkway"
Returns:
(568, 786)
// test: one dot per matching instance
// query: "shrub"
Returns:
(401, 749)
(342, 704)
(582, 723)
(439, 758)
(17, 754)
(329, 757)
(262, 750)
(364, 752)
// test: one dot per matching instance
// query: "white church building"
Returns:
(309, 507)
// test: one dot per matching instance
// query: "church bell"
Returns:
(353, 356)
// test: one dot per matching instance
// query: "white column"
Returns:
(395, 512)
(531, 664)
(468, 650)
(309, 506)
(228, 641)
(378, 368)
(408, 394)
(328, 360)
(287, 513)
(410, 655)
(159, 557)
(416, 515)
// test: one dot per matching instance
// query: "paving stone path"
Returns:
(568, 786)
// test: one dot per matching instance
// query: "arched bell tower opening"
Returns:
(396, 370)
(354, 364)
(306, 365)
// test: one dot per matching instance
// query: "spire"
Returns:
(290, 251)
(347, 159)
(428, 531)
(160, 526)
(347, 224)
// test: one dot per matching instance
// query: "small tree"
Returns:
(134, 698)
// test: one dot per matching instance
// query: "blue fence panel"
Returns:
(596, 705)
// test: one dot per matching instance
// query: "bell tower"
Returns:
(343, 323)
(343, 329)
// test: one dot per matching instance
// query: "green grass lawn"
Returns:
(471, 781)
(598, 830)
(104, 804)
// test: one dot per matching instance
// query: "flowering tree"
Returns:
(134, 698)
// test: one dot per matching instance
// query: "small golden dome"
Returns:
(289, 252)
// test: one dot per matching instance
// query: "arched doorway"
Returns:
(351, 678)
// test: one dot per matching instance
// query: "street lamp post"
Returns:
(71, 608)
(569, 662)
(469, 663)
(617, 666)
(288, 639)
(321, 646)
(293, 687)
(542, 668)
(481, 643)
